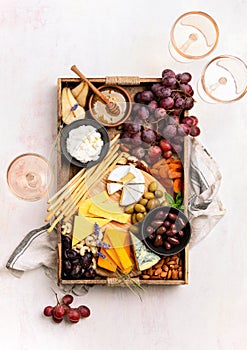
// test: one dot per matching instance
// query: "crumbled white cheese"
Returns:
(84, 143)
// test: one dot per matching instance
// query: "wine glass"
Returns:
(193, 36)
(223, 79)
(29, 176)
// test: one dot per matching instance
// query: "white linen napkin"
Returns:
(39, 249)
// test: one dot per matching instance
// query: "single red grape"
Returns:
(184, 78)
(168, 72)
(146, 96)
(56, 320)
(58, 311)
(84, 311)
(183, 129)
(153, 105)
(154, 151)
(188, 121)
(167, 103)
(48, 311)
(160, 113)
(165, 145)
(195, 120)
(73, 315)
(67, 299)
(195, 131)
(167, 154)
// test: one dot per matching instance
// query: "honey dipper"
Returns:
(112, 107)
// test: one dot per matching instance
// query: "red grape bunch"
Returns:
(63, 310)
(158, 115)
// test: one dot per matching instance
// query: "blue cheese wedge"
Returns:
(144, 257)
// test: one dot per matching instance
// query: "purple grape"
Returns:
(168, 72)
(138, 152)
(175, 94)
(126, 137)
(163, 92)
(184, 78)
(195, 131)
(70, 254)
(136, 107)
(167, 103)
(153, 105)
(188, 103)
(183, 129)
(172, 120)
(160, 113)
(169, 132)
(176, 112)
(178, 140)
(169, 81)
(177, 148)
(136, 139)
(67, 265)
(187, 88)
(155, 87)
(90, 273)
(143, 113)
(134, 128)
(148, 136)
(179, 103)
(146, 96)
(137, 97)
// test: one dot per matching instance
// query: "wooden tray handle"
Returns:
(122, 80)
(115, 282)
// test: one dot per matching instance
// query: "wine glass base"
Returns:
(175, 55)
(29, 177)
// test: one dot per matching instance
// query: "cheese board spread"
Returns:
(99, 211)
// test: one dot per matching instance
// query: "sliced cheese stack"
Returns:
(130, 181)
(144, 257)
(119, 253)
(97, 209)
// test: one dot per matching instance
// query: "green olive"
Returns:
(129, 209)
(151, 204)
(143, 201)
(156, 203)
(139, 216)
(133, 219)
(134, 229)
(158, 194)
(164, 203)
(140, 208)
(148, 195)
(153, 186)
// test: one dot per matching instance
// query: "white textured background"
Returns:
(40, 40)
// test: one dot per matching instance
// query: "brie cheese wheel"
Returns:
(128, 179)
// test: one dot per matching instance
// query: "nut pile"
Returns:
(168, 268)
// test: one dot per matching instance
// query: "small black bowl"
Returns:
(182, 222)
(76, 124)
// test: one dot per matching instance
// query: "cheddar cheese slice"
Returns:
(119, 217)
(107, 263)
(111, 252)
(117, 239)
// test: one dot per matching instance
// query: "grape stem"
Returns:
(58, 303)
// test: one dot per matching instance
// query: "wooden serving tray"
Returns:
(66, 171)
